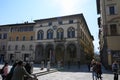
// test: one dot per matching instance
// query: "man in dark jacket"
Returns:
(115, 69)
(20, 72)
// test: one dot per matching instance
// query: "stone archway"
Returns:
(49, 53)
(71, 52)
(59, 52)
(39, 53)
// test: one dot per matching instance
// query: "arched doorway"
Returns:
(50, 53)
(71, 53)
(59, 52)
(39, 53)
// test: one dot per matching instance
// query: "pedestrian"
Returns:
(10, 74)
(5, 71)
(93, 69)
(48, 66)
(98, 70)
(42, 65)
(115, 69)
(28, 67)
(20, 72)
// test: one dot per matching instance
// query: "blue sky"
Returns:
(19, 11)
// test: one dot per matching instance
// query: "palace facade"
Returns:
(64, 38)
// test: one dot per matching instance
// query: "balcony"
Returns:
(59, 40)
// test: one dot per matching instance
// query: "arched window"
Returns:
(9, 48)
(60, 33)
(23, 47)
(0, 36)
(71, 32)
(3, 47)
(50, 34)
(17, 38)
(40, 35)
(31, 38)
(16, 47)
(31, 47)
(24, 38)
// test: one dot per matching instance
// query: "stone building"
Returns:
(64, 38)
(109, 30)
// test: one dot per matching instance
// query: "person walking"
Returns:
(42, 65)
(115, 69)
(9, 76)
(28, 67)
(20, 72)
(48, 66)
(93, 69)
(5, 71)
(98, 70)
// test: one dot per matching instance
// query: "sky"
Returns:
(19, 11)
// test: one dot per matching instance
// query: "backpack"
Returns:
(2, 70)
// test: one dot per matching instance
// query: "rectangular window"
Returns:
(50, 23)
(0, 36)
(112, 10)
(70, 21)
(60, 22)
(113, 29)
(5, 36)
(31, 38)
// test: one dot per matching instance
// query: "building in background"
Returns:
(19, 42)
(64, 38)
(4, 30)
(109, 30)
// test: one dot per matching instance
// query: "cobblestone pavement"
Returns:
(73, 73)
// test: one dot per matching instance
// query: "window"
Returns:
(16, 47)
(71, 32)
(17, 38)
(24, 38)
(40, 35)
(112, 10)
(23, 47)
(5, 36)
(50, 34)
(60, 33)
(0, 36)
(30, 47)
(50, 23)
(60, 22)
(31, 38)
(9, 48)
(113, 29)
(3, 47)
(70, 21)
(30, 28)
